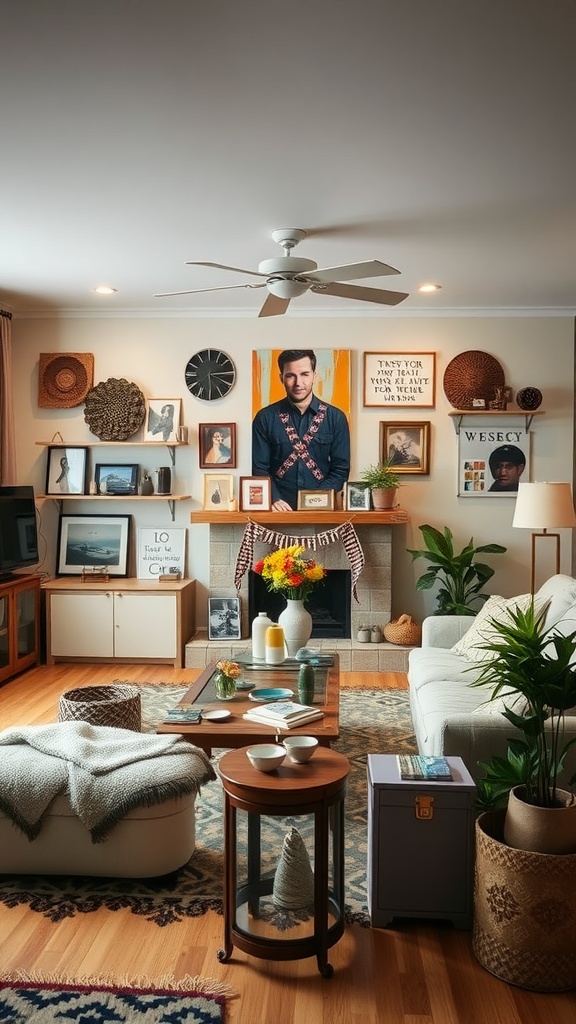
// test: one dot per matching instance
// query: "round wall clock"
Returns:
(210, 374)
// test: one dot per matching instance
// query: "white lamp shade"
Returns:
(544, 506)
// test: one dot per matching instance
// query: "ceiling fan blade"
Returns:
(219, 288)
(223, 266)
(351, 291)
(354, 271)
(274, 306)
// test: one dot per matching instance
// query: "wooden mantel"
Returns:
(391, 517)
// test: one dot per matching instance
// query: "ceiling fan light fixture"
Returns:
(430, 288)
(287, 288)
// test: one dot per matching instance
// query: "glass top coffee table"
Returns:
(236, 731)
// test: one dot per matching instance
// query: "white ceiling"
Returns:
(439, 137)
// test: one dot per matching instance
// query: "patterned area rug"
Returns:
(46, 1002)
(371, 721)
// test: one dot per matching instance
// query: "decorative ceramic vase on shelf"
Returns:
(225, 686)
(296, 622)
(259, 626)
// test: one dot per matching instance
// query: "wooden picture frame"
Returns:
(88, 541)
(407, 445)
(357, 496)
(218, 491)
(119, 480)
(400, 379)
(163, 419)
(214, 452)
(224, 618)
(66, 470)
(255, 493)
(315, 501)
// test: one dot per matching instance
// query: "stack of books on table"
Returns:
(283, 714)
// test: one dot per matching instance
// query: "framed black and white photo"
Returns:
(255, 493)
(357, 496)
(407, 445)
(218, 491)
(224, 622)
(163, 419)
(217, 445)
(317, 500)
(88, 541)
(492, 462)
(112, 479)
(67, 470)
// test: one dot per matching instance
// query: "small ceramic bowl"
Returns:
(300, 748)
(266, 756)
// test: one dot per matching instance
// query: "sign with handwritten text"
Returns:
(400, 379)
(161, 551)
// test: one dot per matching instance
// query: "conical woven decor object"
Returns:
(294, 880)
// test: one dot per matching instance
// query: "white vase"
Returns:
(296, 622)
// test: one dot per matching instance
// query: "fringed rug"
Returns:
(371, 721)
(194, 1000)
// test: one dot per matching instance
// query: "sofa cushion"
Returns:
(482, 631)
(560, 593)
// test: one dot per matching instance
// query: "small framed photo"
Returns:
(407, 445)
(90, 541)
(357, 496)
(163, 419)
(119, 480)
(224, 622)
(67, 470)
(255, 493)
(217, 445)
(218, 491)
(315, 500)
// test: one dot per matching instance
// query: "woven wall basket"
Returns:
(404, 630)
(64, 379)
(116, 706)
(524, 911)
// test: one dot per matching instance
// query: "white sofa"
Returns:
(449, 715)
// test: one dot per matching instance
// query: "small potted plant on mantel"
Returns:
(525, 889)
(383, 483)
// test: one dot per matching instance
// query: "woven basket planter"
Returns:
(116, 706)
(524, 911)
(404, 630)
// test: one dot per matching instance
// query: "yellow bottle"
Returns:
(275, 653)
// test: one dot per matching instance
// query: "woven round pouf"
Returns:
(117, 706)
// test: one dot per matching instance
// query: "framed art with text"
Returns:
(316, 500)
(400, 379)
(492, 462)
(161, 550)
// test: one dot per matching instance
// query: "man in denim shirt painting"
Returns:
(301, 443)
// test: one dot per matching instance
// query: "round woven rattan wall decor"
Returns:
(64, 379)
(472, 375)
(529, 399)
(114, 409)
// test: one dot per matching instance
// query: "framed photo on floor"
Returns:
(224, 621)
(88, 541)
(66, 470)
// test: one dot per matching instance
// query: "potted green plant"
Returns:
(383, 483)
(525, 864)
(461, 577)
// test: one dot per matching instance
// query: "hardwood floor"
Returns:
(416, 972)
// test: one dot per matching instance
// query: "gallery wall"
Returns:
(153, 351)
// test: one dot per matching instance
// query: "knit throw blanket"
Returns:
(105, 773)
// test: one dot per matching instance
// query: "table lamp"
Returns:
(542, 507)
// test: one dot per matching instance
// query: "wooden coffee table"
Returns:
(236, 731)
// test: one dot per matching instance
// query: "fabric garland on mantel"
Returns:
(344, 533)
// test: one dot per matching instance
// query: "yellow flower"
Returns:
(286, 570)
(230, 668)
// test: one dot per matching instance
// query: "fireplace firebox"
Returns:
(328, 604)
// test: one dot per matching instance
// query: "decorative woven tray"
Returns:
(114, 409)
(472, 375)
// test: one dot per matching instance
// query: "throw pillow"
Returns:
(482, 631)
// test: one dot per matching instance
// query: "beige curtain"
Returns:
(7, 434)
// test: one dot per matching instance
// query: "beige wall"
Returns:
(153, 353)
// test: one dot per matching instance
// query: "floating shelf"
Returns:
(459, 414)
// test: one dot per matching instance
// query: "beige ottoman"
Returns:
(117, 705)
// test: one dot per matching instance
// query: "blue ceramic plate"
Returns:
(270, 694)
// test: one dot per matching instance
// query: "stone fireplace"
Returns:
(374, 586)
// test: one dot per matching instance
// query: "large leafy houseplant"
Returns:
(532, 669)
(461, 577)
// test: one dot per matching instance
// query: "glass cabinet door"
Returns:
(25, 622)
(4, 632)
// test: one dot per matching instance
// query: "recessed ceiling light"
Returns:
(430, 288)
(105, 289)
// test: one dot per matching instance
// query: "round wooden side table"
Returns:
(260, 809)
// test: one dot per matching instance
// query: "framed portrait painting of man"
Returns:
(407, 445)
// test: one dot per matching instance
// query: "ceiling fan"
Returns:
(289, 276)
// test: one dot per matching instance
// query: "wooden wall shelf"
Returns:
(392, 517)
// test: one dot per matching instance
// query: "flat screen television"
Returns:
(18, 531)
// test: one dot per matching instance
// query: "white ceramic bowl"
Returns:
(300, 748)
(266, 756)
